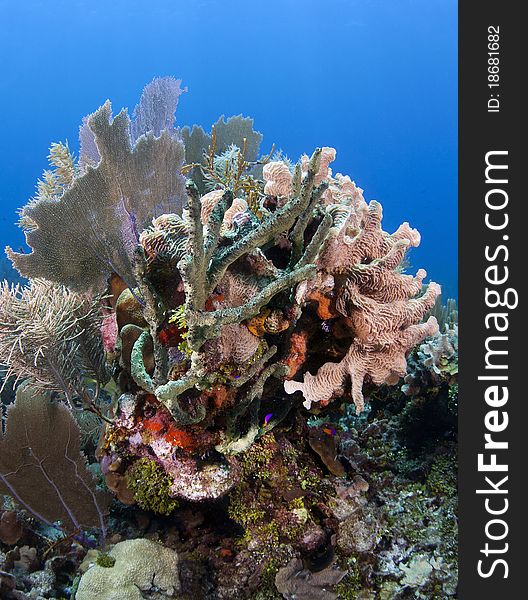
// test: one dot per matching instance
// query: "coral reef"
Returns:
(221, 332)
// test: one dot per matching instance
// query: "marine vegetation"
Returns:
(227, 316)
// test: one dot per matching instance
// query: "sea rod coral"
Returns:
(219, 297)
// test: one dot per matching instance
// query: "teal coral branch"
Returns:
(297, 179)
(168, 395)
(137, 366)
(278, 222)
(241, 444)
(203, 268)
(205, 325)
(255, 367)
(317, 241)
(215, 224)
(193, 266)
(153, 312)
(297, 235)
(234, 444)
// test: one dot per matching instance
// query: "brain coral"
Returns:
(141, 567)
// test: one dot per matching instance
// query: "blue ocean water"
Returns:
(375, 79)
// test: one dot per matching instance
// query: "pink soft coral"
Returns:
(359, 276)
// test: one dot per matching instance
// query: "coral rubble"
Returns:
(187, 315)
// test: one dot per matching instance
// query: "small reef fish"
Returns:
(330, 431)
(267, 419)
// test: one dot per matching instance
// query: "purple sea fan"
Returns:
(157, 107)
(77, 239)
(41, 465)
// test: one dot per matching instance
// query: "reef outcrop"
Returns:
(204, 301)
(214, 299)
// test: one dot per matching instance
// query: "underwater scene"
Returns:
(225, 373)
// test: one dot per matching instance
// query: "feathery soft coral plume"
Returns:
(51, 335)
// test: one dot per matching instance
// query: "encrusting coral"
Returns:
(207, 299)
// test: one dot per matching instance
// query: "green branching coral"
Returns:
(211, 266)
(151, 487)
(137, 366)
(203, 269)
(206, 264)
